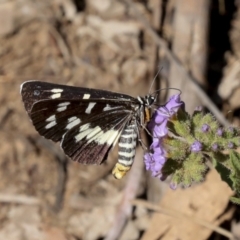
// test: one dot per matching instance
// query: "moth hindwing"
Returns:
(87, 122)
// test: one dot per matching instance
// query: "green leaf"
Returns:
(224, 173)
(170, 167)
(235, 200)
(235, 173)
(192, 169)
(176, 149)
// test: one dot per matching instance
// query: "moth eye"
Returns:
(36, 92)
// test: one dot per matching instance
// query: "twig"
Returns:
(62, 45)
(62, 171)
(19, 199)
(156, 23)
(182, 216)
(130, 192)
(163, 44)
(8, 112)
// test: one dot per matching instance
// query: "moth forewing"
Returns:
(87, 122)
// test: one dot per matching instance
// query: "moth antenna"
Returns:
(162, 89)
(154, 79)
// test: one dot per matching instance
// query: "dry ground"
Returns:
(107, 44)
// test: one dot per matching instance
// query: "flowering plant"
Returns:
(183, 145)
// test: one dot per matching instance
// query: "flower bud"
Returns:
(205, 127)
(196, 146)
(220, 132)
(215, 147)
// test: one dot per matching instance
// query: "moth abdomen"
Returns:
(127, 150)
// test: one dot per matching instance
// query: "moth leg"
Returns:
(143, 145)
(144, 127)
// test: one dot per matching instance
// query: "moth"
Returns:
(88, 122)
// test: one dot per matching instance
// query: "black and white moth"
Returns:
(88, 122)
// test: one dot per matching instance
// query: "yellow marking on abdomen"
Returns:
(119, 170)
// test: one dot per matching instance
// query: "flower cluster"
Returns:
(183, 144)
(155, 160)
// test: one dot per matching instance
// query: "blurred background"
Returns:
(117, 46)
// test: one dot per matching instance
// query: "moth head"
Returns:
(150, 100)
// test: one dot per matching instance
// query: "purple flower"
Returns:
(196, 146)
(220, 132)
(158, 123)
(205, 127)
(155, 161)
(168, 110)
(156, 158)
(173, 186)
(198, 109)
(230, 145)
(161, 129)
(215, 147)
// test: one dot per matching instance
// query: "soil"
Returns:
(104, 45)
